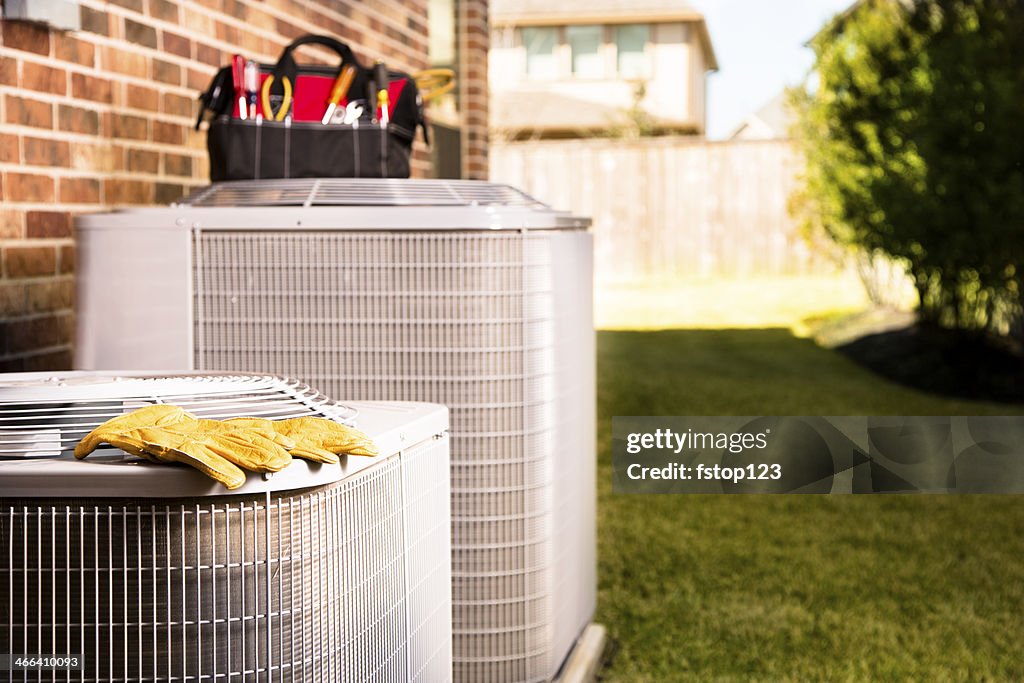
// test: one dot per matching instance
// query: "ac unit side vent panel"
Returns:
(496, 326)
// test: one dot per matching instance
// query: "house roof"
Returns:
(553, 111)
(569, 12)
(771, 122)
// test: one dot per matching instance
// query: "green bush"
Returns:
(913, 129)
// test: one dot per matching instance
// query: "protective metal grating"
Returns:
(331, 584)
(495, 325)
(358, 192)
(48, 428)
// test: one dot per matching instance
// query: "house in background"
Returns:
(773, 121)
(579, 68)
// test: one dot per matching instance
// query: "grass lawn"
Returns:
(795, 588)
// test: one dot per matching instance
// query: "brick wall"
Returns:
(101, 118)
(473, 38)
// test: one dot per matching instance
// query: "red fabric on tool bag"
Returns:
(300, 145)
(315, 93)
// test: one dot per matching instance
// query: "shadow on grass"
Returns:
(802, 588)
(943, 362)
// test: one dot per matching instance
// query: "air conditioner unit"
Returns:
(156, 573)
(464, 293)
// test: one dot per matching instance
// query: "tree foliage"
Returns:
(914, 138)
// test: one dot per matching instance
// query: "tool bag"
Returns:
(281, 130)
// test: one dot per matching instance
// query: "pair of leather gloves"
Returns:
(223, 449)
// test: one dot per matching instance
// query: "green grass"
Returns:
(795, 588)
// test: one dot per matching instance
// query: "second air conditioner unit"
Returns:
(468, 294)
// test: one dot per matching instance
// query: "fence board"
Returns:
(671, 208)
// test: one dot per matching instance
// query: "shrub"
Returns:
(913, 130)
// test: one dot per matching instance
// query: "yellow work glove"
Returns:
(214, 448)
(150, 416)
(322, 440)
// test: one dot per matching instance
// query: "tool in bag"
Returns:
(286, 120)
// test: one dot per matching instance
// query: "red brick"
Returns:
(26, 187)
(30, 334)
(34, 261)
(135, 32)
(50, 361)
(9, 364)
(89, 87)
(44, 78)
(94, 158)
(47, 224)
(120, 191)
(46, 152)
(208, 54)
(27, 36)
(49, 295)
(66, 259)
(133, 5)
(12, 300)
(178, 164)
(78, 120)
(165, 72)
(165, 10)
(228, 33)
(198, 80)
(12, 223)
(141, 97)
(29, 112)
(9, 148)
(73, 50)
(79, 191)
(125, 62)
(177, 45)
(167, 193)
(143, 161)
(95, 21)
(170, 133)
(130, 127)
(8, 71)
(179, 105)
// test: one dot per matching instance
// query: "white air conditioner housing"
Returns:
(157, 573)
(469, 294)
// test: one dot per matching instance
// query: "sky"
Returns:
(760, 50)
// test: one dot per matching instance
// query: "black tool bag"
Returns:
(281, 132)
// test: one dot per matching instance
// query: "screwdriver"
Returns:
(380, 77)
(238, 81)
(252, 86)
(341, 85)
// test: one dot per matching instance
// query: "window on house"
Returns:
(585, 46)
(630, 43)
(540, 51)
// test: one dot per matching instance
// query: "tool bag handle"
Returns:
(286, 63)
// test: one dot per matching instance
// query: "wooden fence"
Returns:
(671, 208)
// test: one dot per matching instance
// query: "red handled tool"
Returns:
(238, 81)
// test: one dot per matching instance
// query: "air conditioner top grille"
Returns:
(308, 192)
(43, 417)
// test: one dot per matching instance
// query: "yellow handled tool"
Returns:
(341, 86)
(286, 99)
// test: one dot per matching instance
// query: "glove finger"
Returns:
(315, 455)
(154, 414)
(363, 447)
(264, 428)
(250, 451)
(318, 432)
(210, 464)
